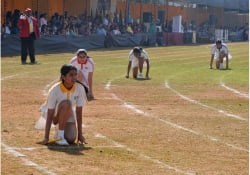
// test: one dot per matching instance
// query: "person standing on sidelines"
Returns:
(137, 56)
(29, 31)
(85, 67)
(219, 51)
(64, 107)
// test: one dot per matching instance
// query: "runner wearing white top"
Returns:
(85, 67)
(136, 58)
(64, 107)
(219, 51)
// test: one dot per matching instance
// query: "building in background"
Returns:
(217, 12)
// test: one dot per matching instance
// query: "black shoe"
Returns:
(33, 62)
(23, 63)
(90, 97)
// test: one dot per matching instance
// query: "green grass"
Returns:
(177, 64)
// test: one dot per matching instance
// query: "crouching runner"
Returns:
(65, 102)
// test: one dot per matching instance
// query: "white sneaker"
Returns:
(62, 142)
(140, 76)
(221, 66)
(60, 134)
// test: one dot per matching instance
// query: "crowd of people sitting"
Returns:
(83, 25)
(75, 25)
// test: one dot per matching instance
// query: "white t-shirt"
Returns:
(135, 61)
(43, 21)
(144, 54)
(58, 93)
(216, 51)
(85, 69)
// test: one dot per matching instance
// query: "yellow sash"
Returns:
(31, 25)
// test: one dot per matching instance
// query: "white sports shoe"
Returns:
(60, 134)
(140, 76)
(62, 142)
(221, 66)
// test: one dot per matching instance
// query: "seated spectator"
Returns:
(43, 23)
(73, 29)
(152, 28)
(6, 28)
(135, 26)
(159, 37)
(141, 28)
(116, 31)
(106, 21)
(245, 33)
(129, 29)
(65, 29)
(93, 29)
(100, 30)
(14, 22)
(123, 29)
(82, 30)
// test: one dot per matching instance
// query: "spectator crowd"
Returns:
(83, 25)
(75, 25)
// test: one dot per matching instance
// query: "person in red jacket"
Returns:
(29, 31)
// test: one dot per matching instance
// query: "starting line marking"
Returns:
(145, 157)
(206, 106)
(131, 107)
(25, 160)
(235, 91)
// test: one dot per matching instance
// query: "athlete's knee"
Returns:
(65, 104)
(70, 132)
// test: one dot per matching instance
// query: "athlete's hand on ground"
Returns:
(82, 140)
(44, 142)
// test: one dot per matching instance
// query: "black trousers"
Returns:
(28, 46)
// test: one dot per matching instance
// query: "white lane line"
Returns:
(203, 105)
(23, 73)
(235, 91)
(108, 84)
(26, 161)
(145, 157)
(134, 109)
(15, 153)
(211, 138)
(138, 111)
(9, 77)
